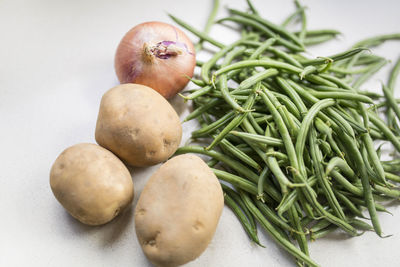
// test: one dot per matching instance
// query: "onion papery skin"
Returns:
(157, 55)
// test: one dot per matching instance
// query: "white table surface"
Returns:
(56, 61)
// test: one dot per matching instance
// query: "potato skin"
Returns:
(178, 211)
(91, 183)
(138, 125)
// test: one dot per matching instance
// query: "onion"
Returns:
(157, 55)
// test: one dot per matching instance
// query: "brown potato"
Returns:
(138, 125)
(178, 211)
(91, 183)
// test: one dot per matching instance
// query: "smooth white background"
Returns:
(56, 61)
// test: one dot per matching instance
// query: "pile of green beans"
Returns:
(292, 138)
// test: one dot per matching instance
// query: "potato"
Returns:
(138, 125)
(91, 183)
(178, 211)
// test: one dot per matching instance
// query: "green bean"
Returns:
(325, 148)
(315, 40)
(393, 75)
(213, 126)
(342, 165)
(361, 202)
(346, 184)
(318, 79)
(319, 32)
(259, 138)
(392, 162)
(275, 235)
(283, 181)
(235, 165)
(334, 116)
(377, 40)
(351, 71)
(305, 221)
(292, 16)
(363, 78)
(246, 149)
(356, 125)
(273, 165)
(277, 172)
(199, 63)
(324, 232)
(336, 57)
(372, 95)
(236, 181)
(308, 209)
(223, 80)
(211, 163)
(368, 198)
(392, 177)
(236, 197)
(205, 69)
(365, 59)
(239, 154)
(262, 119)
(288, 58)
(272, 217)
(350, 205)
(325, 129)
(293, 95)
(242, 218)
(291, 107)
(257, 78)
(289, 147)
(391, 168)
(269, 63)
(361, 225)
(307, 71)
(234, 123)
(253, 10)
(255, 125)
(278, 155)
(321, 224)
(342, 95)
(197, 93)
(276, 28)
(386, 191)
(385, 130)
(201, 35)
(292, 123)
(210, 22)
(321, 177)
(390, 100)
(261, 184)
(303, 32)
(263, 29)
(264, 46)
(299, 234)
(304, 128)
(202, 109)
(286, 203)
(369, 145)
(391, 84)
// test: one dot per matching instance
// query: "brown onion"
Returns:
(158, 55)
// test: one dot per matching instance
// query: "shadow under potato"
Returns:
(109, 232)
(77, 227)
(118, 226)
